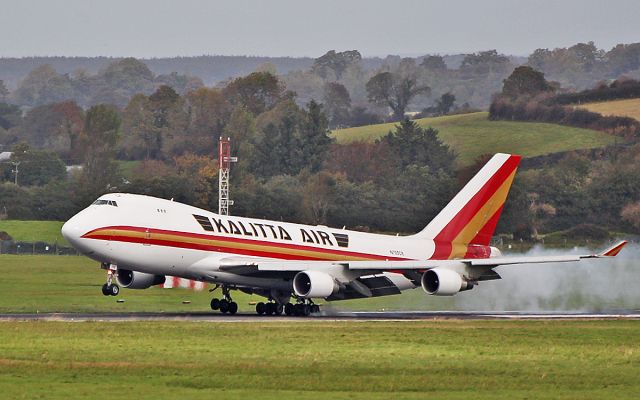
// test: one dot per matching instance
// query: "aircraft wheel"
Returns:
(297, 310)
(279, 309)
(115, 289)
(270, 308)
(260, 308)
(288, 309)
(315, 309)
(215, 304)
(105, 290)
(224, 306)
(306, 310)
(233, 307)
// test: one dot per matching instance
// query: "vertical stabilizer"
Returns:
(472, 215)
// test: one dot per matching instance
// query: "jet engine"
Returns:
(314, 284)
(138, 280)
(444, 282)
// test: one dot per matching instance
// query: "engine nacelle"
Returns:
(316, 284)
(444, 282)
(138, 280)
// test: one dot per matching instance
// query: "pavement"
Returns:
(324, 316)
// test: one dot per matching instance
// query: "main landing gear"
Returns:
(270, 308)
(110, 288)
(226, 304)
(303, 308)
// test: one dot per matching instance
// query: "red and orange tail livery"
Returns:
(469, 220)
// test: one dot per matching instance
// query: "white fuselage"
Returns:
(163, 237)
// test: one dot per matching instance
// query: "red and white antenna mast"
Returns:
(224, 162)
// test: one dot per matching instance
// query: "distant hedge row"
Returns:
(619, 89)
(532, 110)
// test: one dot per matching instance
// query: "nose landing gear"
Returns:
(226, 304)
(110, 288)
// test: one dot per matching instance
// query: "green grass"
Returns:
(32, 231)
(472, 135)
(320, 360)
(624, 108)
(49, 283)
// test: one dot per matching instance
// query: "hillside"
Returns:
(472, 135)
(623, 108)
(34, 231)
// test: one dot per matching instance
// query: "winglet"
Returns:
(614, 250)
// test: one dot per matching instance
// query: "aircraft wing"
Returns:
(484, 262)
(247, 265)
(496, 261)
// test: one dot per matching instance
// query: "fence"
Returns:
(30, 248)
(33, 248)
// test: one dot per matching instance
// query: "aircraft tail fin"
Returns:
(471, 217)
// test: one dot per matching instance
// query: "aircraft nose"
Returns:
(71, 231)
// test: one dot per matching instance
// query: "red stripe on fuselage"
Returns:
(224, 249)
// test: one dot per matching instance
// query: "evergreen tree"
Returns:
(315, 140)
(412, 144)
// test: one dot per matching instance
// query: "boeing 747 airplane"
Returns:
(140, 239)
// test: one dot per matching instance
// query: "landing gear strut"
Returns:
(110, 288)
(226, 304)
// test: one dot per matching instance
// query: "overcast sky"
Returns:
(157, 28)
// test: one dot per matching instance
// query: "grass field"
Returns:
(303, 358)
(32, 231)
(472, 135)
(625, 108)
(47, 283)
(320, 360)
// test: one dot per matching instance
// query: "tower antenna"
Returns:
(224, 164)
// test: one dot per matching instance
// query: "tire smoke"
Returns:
(588, 285)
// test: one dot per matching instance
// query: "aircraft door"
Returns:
(147, 237)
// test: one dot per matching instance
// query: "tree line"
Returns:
(159, 139)
(289, 167)
(355, 90)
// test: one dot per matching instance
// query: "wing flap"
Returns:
(380, 285)
(400, 265)
(293, 266)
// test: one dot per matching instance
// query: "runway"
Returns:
(322, 317)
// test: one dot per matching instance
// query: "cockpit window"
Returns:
(101, 202)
